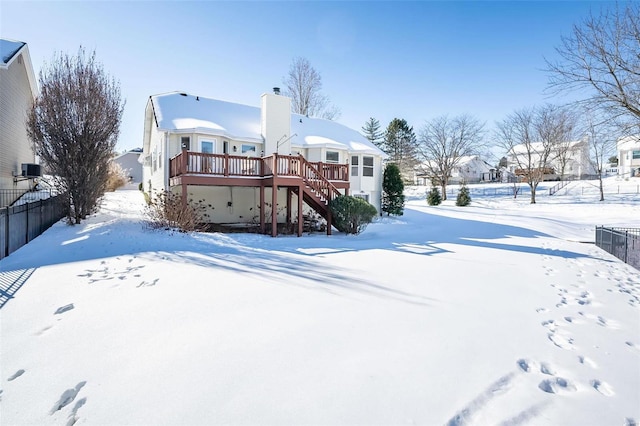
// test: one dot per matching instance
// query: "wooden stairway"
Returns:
(318, 191)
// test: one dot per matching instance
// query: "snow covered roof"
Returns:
(9, 51)
(628, 143)
(537, 147)
(180, 112)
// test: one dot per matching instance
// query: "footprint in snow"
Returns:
(587, 361)
(15, 375)
(556, 384)
(542, 310)
(546, 368)
(561, 341)
(63, 309)
(524, 364)
(67, 397)
(602, 387)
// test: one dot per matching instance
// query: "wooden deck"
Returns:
(315, 183)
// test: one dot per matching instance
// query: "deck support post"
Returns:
(274, 209)
(262, 209)
(329, 216)
(289, 191)
(300, 218)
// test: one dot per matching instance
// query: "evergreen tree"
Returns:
(393, 191)
(371, 131)
(433, 197)
(464, 198)
(401, 145)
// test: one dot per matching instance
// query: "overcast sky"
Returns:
(412, 60)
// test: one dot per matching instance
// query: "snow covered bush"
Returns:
(167, 211)
(433, 197)
(351, 215)
(463, 199)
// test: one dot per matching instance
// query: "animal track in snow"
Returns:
(73, 417)
(587, 361)
(63, 309)
(602, 387)
(147, 283)
(556, 385)
(16, 375)
(525, 365)
(542, 310)
(561, 341)
(67, 397)
(547, 369)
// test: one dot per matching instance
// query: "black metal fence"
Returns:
(623, 243)
(22, 223)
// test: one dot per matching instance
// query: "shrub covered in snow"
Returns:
(351, 215)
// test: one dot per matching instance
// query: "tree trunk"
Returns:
(444, 191)
(533, 194)
(601, 187)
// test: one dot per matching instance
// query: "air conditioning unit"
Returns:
(31, 170)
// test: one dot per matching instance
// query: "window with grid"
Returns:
(354, 165)
(367, 166)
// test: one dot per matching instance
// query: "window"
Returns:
(206, 147)
(363, 196)
(332, 156)
(635, 155)
(248, 148)
(354, 165)
(225, 147)
(185, 142)
(367, 166)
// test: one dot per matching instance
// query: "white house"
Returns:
(233, 156)
(628, 156)
(575, 154)
(130, 165)
(18, 89)
(468, 169)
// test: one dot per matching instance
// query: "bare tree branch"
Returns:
(303, 84)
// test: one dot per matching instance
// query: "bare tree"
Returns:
(556, 125)
(74, 125)
(601, 55)
(443, 141)
(303, 85)
(601, 135)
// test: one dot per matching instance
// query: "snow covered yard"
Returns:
(492, 314)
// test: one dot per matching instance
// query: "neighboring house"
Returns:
(18, 89)
(130, 165)
(232, 156)
(469, 169)
(629, 156)
(577, 163)
(472, 169)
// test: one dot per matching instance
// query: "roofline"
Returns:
(24, 50)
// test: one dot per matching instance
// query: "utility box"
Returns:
(31, 170)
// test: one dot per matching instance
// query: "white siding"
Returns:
(16, 99)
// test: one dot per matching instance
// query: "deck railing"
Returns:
(199, 163)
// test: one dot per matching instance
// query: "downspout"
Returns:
(165, 160)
